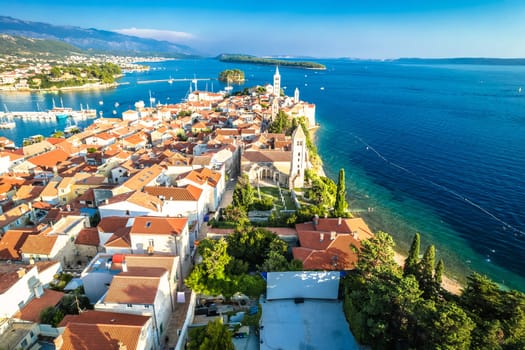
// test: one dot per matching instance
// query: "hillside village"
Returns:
(114, 215)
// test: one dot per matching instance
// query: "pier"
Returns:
(172, 80)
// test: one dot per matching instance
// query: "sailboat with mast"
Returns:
(61, 112)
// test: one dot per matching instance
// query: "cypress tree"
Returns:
(438, 274)
(413, 256)
(426, 272)
(340, 198)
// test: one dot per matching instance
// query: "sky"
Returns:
(378, 29)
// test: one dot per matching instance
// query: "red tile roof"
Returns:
(187, 193)
(49, 159)
(158, 225)
(111, 223)
(331, 243)
(88, 236)
(41, 244)
(11, 243)
(120, 239)
(132, 289)
(31, 312)
(9, 275)
(98, 330)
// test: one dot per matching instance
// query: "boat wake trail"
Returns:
(457, 195)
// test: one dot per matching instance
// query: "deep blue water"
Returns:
(435, 149)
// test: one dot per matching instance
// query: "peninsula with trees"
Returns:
(238, 58)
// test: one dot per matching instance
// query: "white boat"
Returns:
(7, 125)
(5, 122)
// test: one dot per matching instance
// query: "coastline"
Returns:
(449, 284)
(85, 87)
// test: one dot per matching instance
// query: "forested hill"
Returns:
(92, 39)
(237, 58)
(26, 47)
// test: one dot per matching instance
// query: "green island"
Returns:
(229, 76)
(73, 75)
(237, 58)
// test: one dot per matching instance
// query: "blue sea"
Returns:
(430, 148)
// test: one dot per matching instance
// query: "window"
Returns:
(130, 305)
(148, 224)
(146, 306)
(151, 243)
(23, 344)
(127, 212)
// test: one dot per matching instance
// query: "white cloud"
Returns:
(157, 34)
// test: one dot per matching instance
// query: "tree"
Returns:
(438, 274)
(412, 259)
(341, 204)
(253, 245)
(377, 253)
(451, 328)
(281, 124)
(210, 276)
(51, 315)
(425, 274)
(243, 194)
(215, 336)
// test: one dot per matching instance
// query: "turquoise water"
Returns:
(435, 149)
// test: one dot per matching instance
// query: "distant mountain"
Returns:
(92, 39)
(19, 46)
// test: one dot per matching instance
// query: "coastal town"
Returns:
(114, 214)
(17, 73)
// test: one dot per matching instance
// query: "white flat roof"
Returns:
(314, 324)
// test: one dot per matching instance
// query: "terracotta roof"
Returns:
(39, 244)
(11, 243)
(143, 178)
(9, 274)
(96, 330)
(137, 260)
(267, 156)
(339, 255)
(49, 159)
(111, 223)
(353, 225)
(158, 225)
(88, 236)
(202, 176)
(31, 312)
(187, 193)
(119, 239)
(28, 192)
(132, 289)
(329, 245)
(139, 198)
(13, 214)
(44, 265)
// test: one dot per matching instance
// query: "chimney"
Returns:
(124, 266)
(333, 234)
(321, 237)
(339, 221)
(21, 272)
(59, 341)
(316, 221)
